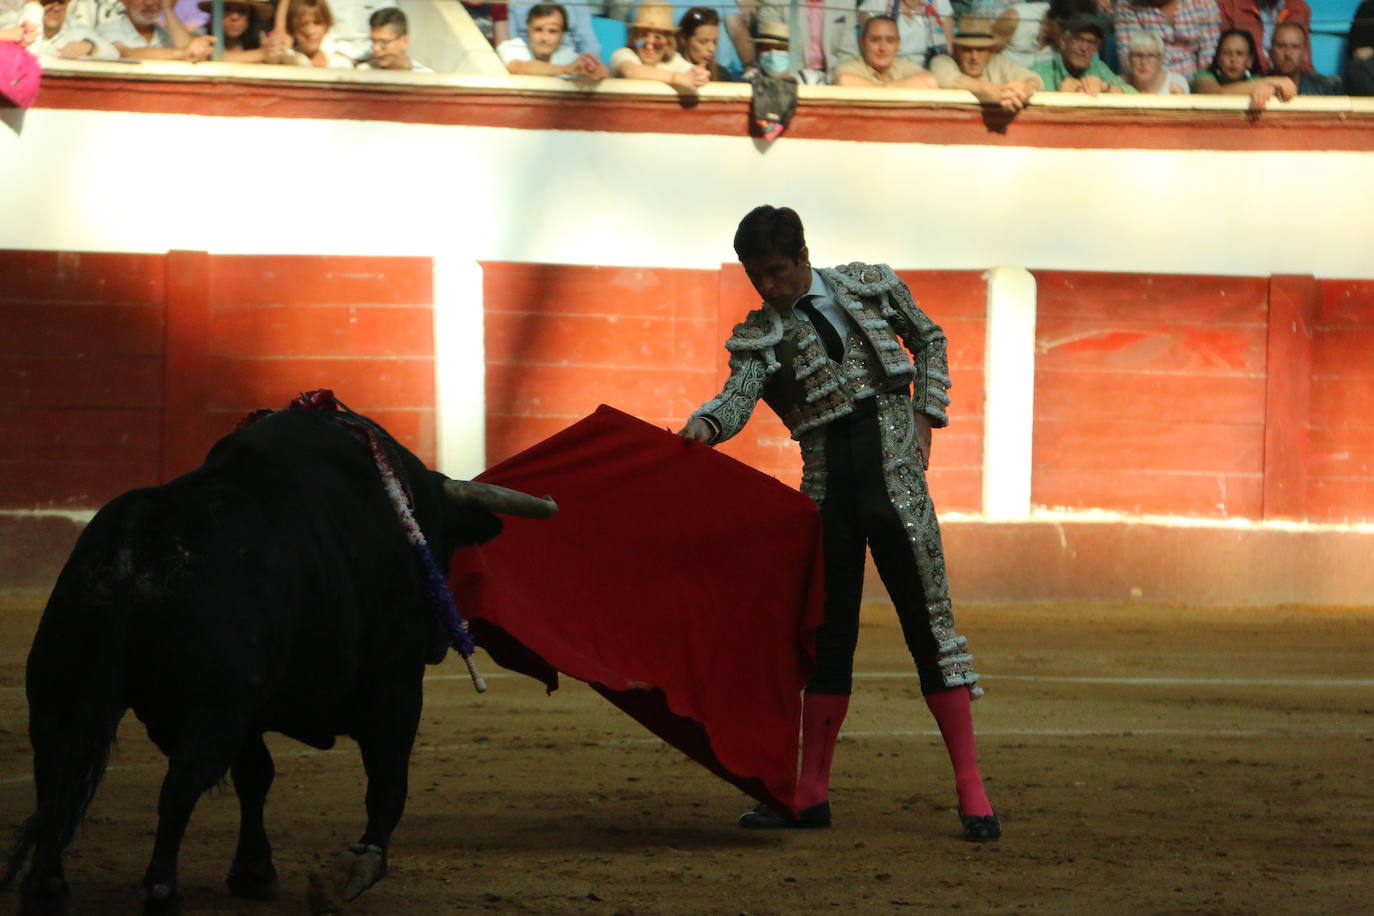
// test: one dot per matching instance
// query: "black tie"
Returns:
(829, 336)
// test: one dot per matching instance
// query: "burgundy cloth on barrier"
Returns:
(684, 586)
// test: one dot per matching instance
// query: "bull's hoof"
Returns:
(252, 880)
(357, 868)
(161, 900)
(44, 897)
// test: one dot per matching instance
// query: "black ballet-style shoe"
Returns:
(981, 828)
(765, 818)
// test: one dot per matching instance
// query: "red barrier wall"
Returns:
(1197, 396)
(562, 339)
(1340, 474)
(1150, 393)
(1203, 396)
(119, 370)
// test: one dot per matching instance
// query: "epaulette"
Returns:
(760, 329)
(863, 279)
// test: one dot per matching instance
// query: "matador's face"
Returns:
(778, 278)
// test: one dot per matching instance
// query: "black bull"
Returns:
(272, 589)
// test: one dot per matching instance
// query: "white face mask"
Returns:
(775, 63)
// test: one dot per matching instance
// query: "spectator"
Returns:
(1232, 72)
(1259, 17)
(773, 100)
(21, 23)
(649, 55)
(741, 27)
(1146, 68)
(307, 41)
(822, 38)
(542, 51)
(1077, 68)
(138, 35)
(698, 37)
(771, 45)
(1359, 73)
(579, 32)
(244, 22)
(1188, 29)
(65, 39)
(977, 67)
(391, 43)
(1289, 53)
(880, 66)
(490, 19)
(1021, 29)
(350, 35)
(925, 26)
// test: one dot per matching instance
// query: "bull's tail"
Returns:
(76, 700)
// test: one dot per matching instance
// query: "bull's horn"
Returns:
(499, 499)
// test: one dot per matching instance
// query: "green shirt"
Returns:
(1052, 72)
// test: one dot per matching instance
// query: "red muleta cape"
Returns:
(682, 585)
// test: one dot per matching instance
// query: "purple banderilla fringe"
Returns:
(442, 599)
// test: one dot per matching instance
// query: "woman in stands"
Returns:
(244, 22)
(1146, 72)
(649, 55)
(698, 35)
(1230, 73)
(306, 42)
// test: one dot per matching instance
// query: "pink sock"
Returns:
(822, 715)
(954, 714)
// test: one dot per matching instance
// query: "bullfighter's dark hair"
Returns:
(539, 10)
(390, 18)
(768, 229)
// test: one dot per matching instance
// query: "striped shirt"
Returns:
(1190, 37)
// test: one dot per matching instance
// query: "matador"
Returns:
(859, 375)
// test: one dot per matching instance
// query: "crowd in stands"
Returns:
(364, 34)
(1003, 51)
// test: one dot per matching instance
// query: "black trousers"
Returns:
(856, 512)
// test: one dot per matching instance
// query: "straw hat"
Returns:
(771, 33)
(974, 32)
(656, 16)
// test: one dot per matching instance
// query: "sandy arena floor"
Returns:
(1145, 759)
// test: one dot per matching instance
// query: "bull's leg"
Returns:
(204, 750)
(251, 875)
(385, 741)
(44, 888)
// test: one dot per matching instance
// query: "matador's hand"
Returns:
(697, 429)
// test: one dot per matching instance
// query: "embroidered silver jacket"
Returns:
(776, 356)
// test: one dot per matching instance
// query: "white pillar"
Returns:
(1009, 406)
(460, 368)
